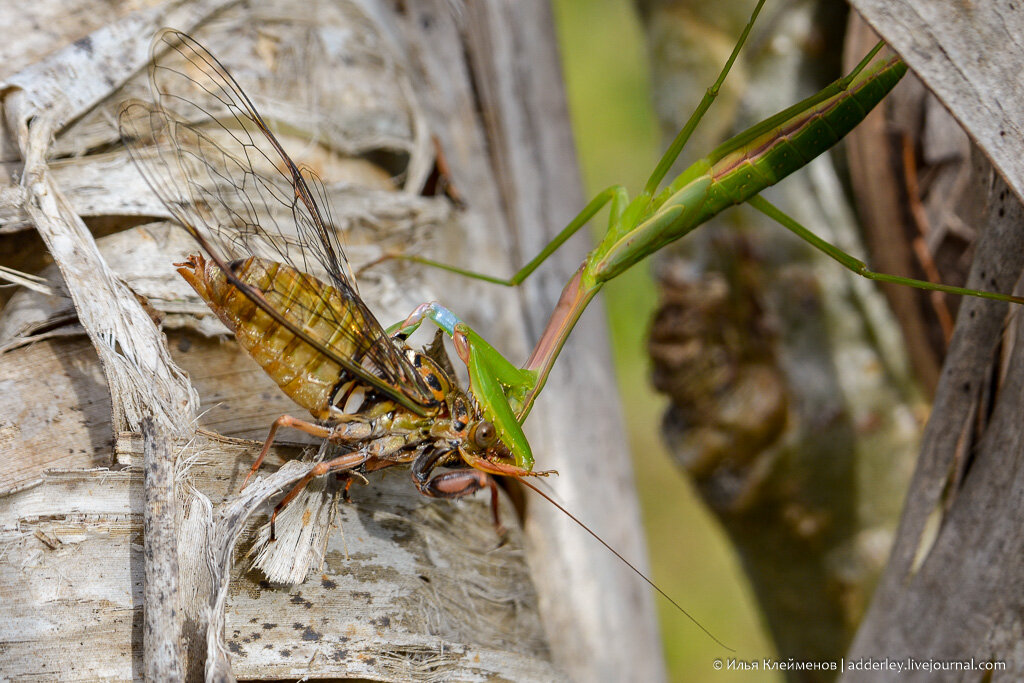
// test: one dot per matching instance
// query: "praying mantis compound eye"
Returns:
(483, 434)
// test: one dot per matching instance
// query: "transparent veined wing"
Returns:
(222, 173)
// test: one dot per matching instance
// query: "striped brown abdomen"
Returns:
(300, 369)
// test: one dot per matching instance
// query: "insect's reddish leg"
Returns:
(342, 462)
(462, 483)
(349, 479)
(353, 431)
(285, 421)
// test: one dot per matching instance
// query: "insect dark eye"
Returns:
(483, 434)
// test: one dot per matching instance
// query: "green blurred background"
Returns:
(618, 142)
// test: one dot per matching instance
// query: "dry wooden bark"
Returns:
(970, 56)
(413, 589)
(953, 587)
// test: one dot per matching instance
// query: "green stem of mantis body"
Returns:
(672, 153)
(744, 139)
(845, 80)
(859, 267)
(571, 304)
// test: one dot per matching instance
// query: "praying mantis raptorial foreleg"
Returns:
(733, 173)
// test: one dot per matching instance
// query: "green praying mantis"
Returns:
(733, 173)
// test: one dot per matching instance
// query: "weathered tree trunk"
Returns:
(954, 585)
(408, 588)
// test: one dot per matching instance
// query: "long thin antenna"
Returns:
(625, 562)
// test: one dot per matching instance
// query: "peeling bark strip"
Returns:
(588, 598)
(407, 589)
(161, 637)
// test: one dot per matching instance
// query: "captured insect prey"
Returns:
(263, 223)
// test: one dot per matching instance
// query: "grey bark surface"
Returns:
(163, 651)
(408, 589)
(970, 55)
(953, 587)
